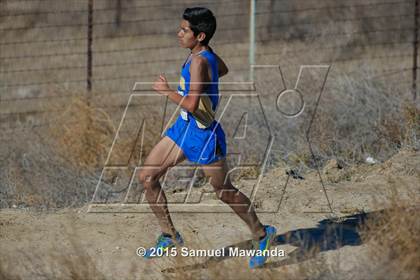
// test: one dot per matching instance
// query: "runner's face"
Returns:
(186, 36)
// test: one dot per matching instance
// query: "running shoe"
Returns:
(163, 243)
(262, 245)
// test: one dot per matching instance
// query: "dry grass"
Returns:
(61, 262)
(78, 141)
(412, 125)
(59, 164)
(350, 128)
(83, 134)
(393, 238)
(34, 175)
(41, 164)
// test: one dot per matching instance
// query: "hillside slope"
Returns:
(74, 244)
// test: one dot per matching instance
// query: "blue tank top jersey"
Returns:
(201, 142)
(212, 89)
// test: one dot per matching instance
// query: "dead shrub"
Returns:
(359, 117)
(83, 134)
(394, 241)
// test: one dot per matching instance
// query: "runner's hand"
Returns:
(161, 85)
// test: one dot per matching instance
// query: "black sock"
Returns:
(261, 238)
(167, 234)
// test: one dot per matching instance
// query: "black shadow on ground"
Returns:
(330, 234)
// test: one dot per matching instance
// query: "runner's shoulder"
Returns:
(199, 60)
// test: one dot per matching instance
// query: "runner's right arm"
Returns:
(199, 76)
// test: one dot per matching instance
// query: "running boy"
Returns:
(197, 136)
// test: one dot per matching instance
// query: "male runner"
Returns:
(197, 136)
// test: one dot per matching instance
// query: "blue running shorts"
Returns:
(201, 146)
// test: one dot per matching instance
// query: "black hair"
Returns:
(201, 20)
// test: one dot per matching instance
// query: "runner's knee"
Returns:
(148, 176)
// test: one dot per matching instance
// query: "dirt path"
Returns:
(98, 245)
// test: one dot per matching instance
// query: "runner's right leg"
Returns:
(163, 156)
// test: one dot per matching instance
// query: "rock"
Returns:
(371, 160)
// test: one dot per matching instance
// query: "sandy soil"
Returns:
(44, 245)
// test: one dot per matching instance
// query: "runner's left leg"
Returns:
(219, 179)
(163, 156)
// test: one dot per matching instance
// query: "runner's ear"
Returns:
(201, 36)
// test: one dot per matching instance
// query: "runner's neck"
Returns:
(198, 51)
